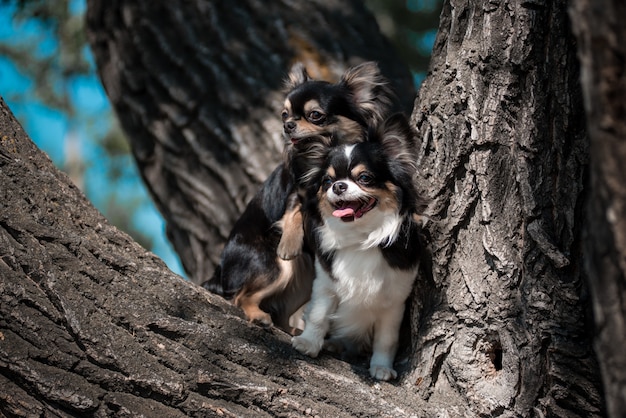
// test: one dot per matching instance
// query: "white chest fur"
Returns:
(363, 278)
(363, 282)
(377, 228)
(360, 301)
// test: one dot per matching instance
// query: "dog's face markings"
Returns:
(305, 116)
(388, 200)
(308, 120)
(285, 114)
(354, 184)
(348, 152)
(314, 113)
(317, 108)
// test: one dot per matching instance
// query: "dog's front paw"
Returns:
(264, 321)
(257, 316)
(382, 372)
(306, 346)
(288, 249)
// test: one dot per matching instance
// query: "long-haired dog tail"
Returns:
(214, 284)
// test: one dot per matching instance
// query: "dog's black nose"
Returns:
(340, 187)
(289, 126)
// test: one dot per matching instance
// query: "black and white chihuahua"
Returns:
(361, 213)
(264, 264)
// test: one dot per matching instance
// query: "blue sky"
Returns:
(55, 132)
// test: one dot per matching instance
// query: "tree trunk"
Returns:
(505, 323)
(197, 87)
(599, 27)
(500, 320)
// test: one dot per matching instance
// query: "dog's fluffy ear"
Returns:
(370, 91)
(398, 139)
(297, 76)
(400, 146)
(309, 163)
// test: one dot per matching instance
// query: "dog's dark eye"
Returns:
(316, 116)
(365, 179)
(326, 182)
(284, 115)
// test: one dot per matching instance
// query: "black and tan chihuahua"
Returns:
(266, 265)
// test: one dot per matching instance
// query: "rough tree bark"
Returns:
(500, 319)
(91, 324)
(504, 158)
(602, 48)
(197, 87)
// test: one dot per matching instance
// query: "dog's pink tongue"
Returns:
(347, 210)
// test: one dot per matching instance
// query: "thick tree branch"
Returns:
(91, 323)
